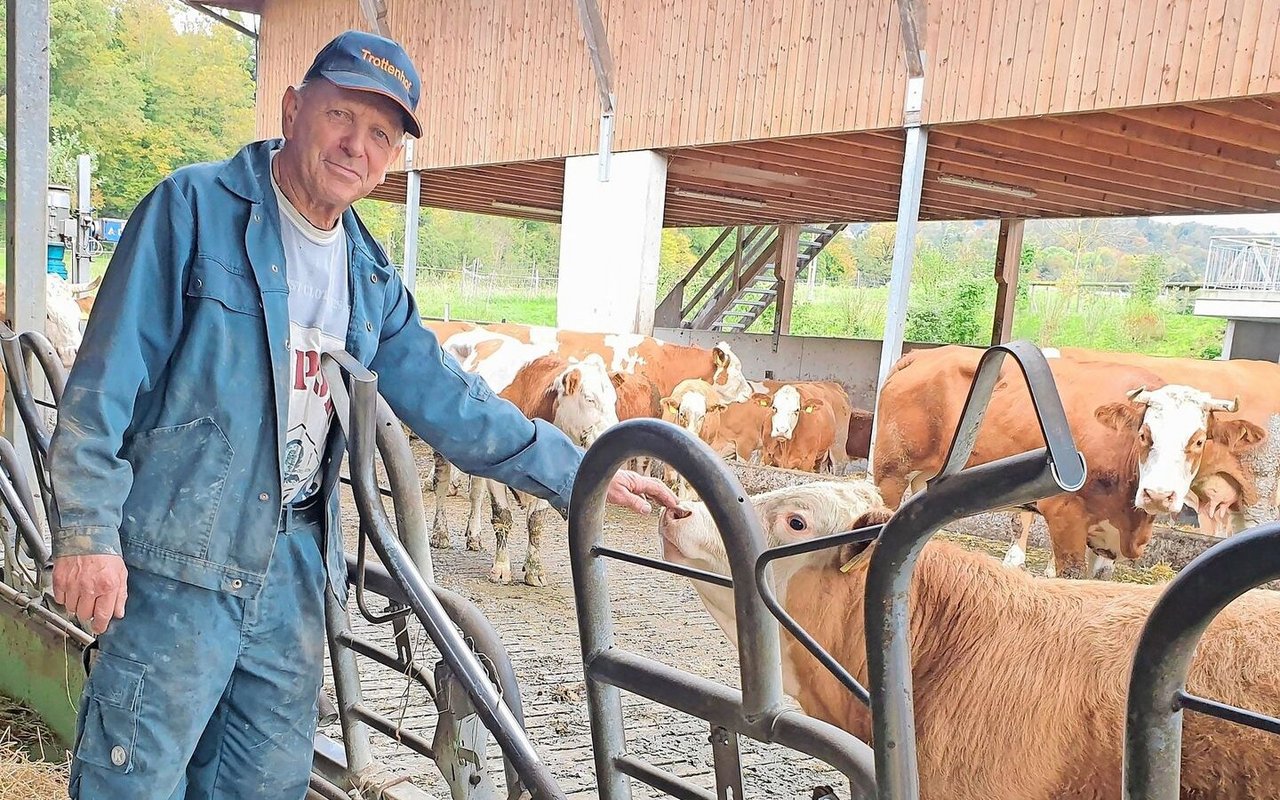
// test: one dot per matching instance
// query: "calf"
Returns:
(802, 431)
(981, 635)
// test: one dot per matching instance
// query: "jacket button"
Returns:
(373, 278)
(119, 755)
(199, 283)
(264, 497)
(368, 326)
(237, 583)
(257, 218)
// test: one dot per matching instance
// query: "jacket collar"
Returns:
(248, 174)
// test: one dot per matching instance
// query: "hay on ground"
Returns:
(32, 764)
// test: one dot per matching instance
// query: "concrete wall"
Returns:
(852, 362)
(620, 220)
(1252, 339)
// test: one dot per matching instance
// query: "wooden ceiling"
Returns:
(1219, 157)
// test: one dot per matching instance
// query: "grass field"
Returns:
(1095, 321)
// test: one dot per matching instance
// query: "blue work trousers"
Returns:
(200, 695)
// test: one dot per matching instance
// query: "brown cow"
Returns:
(1135, 444)
(984, 638)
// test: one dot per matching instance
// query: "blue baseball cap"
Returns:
(366, 62)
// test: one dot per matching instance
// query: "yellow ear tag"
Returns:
(848, 565)
(808, 409)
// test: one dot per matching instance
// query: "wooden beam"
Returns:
(784, 269)
(912, 23)
(1008, 259)
(375, 13)
(598, 47)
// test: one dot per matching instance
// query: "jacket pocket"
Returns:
(179, 477)
(212, 280)
(109, 731)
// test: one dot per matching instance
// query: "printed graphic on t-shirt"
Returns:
(310, 409)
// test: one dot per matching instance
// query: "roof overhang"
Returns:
(1219, 157)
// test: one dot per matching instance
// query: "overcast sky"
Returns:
(1258, 223)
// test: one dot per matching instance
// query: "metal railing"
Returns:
(758, 709)
(1158, 683)
(1244, 263)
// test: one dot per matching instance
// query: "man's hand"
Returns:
(92, 587)
(629, 490)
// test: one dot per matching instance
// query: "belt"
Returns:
(296, 515)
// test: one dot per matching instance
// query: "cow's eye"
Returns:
(796, 523)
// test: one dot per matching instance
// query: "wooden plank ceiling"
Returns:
(1220, 157)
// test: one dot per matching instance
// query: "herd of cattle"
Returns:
(1153, 436)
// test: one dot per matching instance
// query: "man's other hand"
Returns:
(93, 587)
(630, 490)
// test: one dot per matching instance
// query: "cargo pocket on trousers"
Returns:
(111, 712)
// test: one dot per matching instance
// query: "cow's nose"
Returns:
(1159, 497)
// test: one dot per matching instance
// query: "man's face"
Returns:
(343, 141)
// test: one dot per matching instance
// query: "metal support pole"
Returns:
(412, 209)
(904, 251)
(84, 214)
(27, 176)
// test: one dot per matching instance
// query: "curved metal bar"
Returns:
(758, 710)
(770, 599)
(15, 493)
(950, 496)
(1157, 683)
(493, 712)
(406, 489)
(16, 348)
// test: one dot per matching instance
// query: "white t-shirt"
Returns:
(319, 313)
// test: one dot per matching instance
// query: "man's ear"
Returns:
(290, 104)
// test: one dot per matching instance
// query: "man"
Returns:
(196, 460)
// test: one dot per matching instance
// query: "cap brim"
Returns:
(363, 83)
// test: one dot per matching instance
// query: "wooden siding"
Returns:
(512, 81)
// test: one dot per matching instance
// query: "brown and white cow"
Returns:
(1142, 441)
(1246, 482)
(578, 397)
(809, 426)
(980, 635)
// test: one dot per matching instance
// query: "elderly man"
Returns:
(195, 460)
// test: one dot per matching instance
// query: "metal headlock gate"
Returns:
(1158, 683)
(474, 686)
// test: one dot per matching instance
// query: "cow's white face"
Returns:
(786, 412)
(586, 401)
(692, 413)
(689, 537)
(1172, 430)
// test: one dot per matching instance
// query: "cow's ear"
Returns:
(618, 378)
(1236, 434)
(572, 381)
(813, 405)
(761, 398)
(848, 554)
(670, 404)
(718, 357)
(1120, 417)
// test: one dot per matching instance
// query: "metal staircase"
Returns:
(746, 282)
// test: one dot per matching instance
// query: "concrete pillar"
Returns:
(610, 239)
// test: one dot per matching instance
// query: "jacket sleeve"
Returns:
(458, 413)
(136, 321)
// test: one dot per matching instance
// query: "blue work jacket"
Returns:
(171, 430)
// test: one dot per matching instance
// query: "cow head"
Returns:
(728, 381)
(586, 402)
(63, 310)
(1172, 425)
(787, 408)
(689, 536)
(689, 409)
